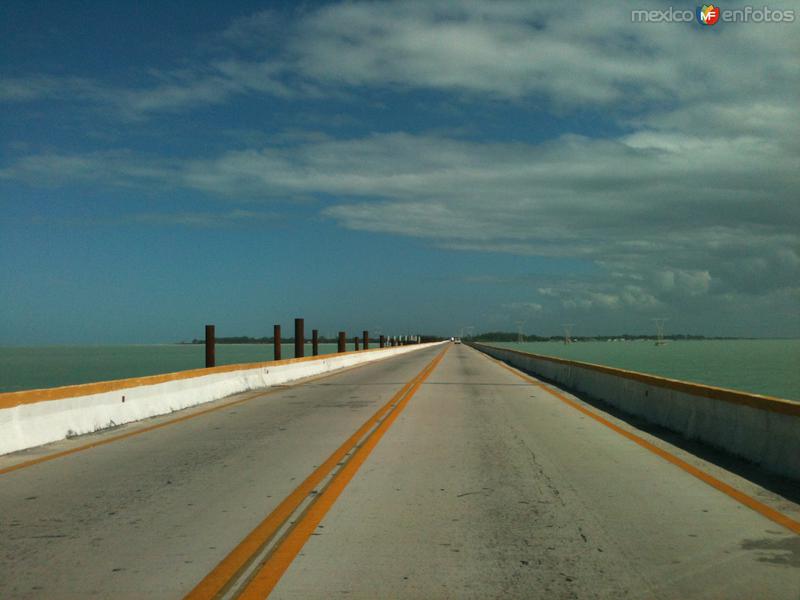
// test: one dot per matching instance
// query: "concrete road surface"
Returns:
(472, 483)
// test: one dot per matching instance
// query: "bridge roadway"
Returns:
(476, 484)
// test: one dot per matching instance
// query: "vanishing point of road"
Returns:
(440, 473)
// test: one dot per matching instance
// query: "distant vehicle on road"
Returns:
(456, 340)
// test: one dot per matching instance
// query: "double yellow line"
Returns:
(256, 565)
(216, 406)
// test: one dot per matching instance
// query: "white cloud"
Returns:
(590, 57)
(120, 168)
(524, 307)
(206, 220)
(697, 199)
(683, 282)
(192, 219)
(35, 87)
(668, 223)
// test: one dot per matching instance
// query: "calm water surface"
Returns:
(51, 366)
(770, 367)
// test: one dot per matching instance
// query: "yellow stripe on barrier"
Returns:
(12, 399)
(770, 403)
(730, 491)
(192, 415)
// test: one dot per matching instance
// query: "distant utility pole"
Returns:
(567, 331)
(660, 341)
(520, 336)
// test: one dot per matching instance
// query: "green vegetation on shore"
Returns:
(490, 336)
(243, 339)
(508, 336)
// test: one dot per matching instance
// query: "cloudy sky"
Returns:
(416, 166)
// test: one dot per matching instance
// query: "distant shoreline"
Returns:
(612, 338)
(506, 337)
(269, 340)
(482, 338)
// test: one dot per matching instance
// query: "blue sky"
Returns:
(408, 167)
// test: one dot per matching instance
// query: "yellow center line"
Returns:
(739, 496)
(123, 436)
(240, 557)
(267, 577)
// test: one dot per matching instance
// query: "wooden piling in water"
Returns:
(210, 347)
(299, 338)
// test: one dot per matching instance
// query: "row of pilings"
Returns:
(361, 343)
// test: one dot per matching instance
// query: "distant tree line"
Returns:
(430, 338)
(507, 336)
(243, 339)
(513, 336)
(490, 336)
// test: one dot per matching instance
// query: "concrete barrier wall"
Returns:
(761, 429)
(35, 417)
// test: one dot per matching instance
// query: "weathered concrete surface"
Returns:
(149, 516)
(485, 487)
(26, 421)
(765, 431)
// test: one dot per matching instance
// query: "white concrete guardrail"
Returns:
(762, 429)
(35, 417)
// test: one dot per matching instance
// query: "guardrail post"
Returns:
(382, 341)
(210, 347)
(299, 338)
(315, 342)
(366, 340)
(355, 339)
(276, 341)
(342, 342)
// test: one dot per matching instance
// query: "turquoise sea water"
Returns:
(770, 367)
(24, 368)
